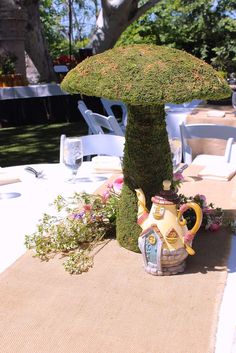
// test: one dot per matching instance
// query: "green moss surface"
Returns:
(127, 229)
(147, 162)
(144, 74)
(147, 157)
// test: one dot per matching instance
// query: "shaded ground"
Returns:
(35, 143)
(30, 129)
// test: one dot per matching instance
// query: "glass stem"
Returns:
(74, 173)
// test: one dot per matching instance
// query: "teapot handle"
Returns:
(198, 211)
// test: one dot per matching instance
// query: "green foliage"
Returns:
(7, 63)
(204, 28)
(51, 14)
(79, 224)
(54, 17)
(212, 218)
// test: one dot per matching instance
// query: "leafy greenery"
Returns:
(54, 15)
(204, 28)
(81, 222)
(7, 63)
(212, 217)
(78, 226)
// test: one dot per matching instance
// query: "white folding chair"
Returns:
(176, 114)
(98, 123)
(197, 131)
(100, 144)
(233, 154)
(108, 104)
(104, 124)
(85, 113)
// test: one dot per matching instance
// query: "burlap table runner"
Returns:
(115, 307)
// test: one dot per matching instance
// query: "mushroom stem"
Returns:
(147, 162)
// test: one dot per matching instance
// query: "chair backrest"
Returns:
(102, 124)
(233, 154)
(108, 104)
(60, 68)
(196, 131)
(100, 144)
(85, 113)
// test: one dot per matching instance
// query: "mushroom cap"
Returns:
(143, 74)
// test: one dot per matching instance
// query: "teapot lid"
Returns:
(166, 196)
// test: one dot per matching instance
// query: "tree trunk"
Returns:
(12, 32)
(35, 43)
(114, 17)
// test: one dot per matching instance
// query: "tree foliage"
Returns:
(204, 28)
(54, 15)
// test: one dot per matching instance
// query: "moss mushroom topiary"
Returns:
(145, 77)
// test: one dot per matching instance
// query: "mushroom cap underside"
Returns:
(142, 74)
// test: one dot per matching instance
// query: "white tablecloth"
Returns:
(31, 91)
(20, 215)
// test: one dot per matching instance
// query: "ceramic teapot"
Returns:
(165, 241)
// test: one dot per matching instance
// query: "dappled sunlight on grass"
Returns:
(35, 143)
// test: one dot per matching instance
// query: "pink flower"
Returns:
(183, 208)
(105, 196)
(87, 207)
(207, 210)
(178, 176)
(188, 237)
(214, 227)
(118, 183)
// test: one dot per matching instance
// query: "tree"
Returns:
(35, 43)
(51, 15)
(204, 28)
(12, 23)
(114, 17)
(63, 20)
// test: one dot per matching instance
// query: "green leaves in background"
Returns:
(204, 28)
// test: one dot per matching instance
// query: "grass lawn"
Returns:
(35, 143)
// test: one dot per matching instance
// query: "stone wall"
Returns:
(12, 34)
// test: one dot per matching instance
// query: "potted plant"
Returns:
(8, 77)
(142, 77)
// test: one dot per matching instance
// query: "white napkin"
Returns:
(216, 113)
(222, 171)
(8, 178)
(102, 164)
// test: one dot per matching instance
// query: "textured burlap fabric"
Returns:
(115, 307)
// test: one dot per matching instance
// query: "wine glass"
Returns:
(234, 100)
(72, 155)
(176, 152)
